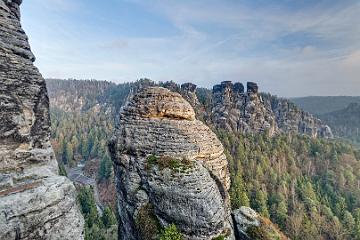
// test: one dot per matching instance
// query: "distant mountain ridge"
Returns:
(320, 105)
(228, 106)
(345, 122)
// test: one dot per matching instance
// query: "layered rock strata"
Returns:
(35, 203)
(252, 112)
(167, 161)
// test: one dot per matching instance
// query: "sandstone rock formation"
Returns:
(170, 168)
(35, 203)
(292, 119)
(244, 218)
(237, 111)
(252, 112)
(250, 225)
(188, 91)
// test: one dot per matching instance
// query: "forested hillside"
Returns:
(320, 105)
(308, 187)
(345, 122)
(81, 127)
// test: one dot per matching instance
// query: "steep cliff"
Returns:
(252, 112)
(35, 203)
(235, 110)
(170, 169)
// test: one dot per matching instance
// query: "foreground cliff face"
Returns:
(249, 112)
(170, 169)
(35, 203)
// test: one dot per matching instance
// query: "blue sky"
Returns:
(290, 47)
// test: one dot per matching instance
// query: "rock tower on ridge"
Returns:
(253, 112)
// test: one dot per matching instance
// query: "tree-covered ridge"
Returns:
(324, 104)
(76, 95)
(346, 122)
(78, 137)
(309, 187)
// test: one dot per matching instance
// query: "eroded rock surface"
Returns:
(188, 91)
(252, 112)
(35, 203)
(250, 225)
(167, 161)
(237, 111)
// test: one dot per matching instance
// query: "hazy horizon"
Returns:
(290, 48)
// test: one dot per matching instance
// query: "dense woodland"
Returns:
(345, 122)
(309, 187)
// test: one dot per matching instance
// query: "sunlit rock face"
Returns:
(35, 203)
(167, 161)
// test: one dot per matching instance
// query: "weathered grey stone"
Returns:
(188, 91)
(252, 87)
(244, 218)
(291, 119)
(238, 88)
(192, 194)
(35, 203)
(252, 112)
(237, 111)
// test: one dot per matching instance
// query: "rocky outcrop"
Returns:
(234, 110)
(291, 119)
(35, 203)
(244, 218)
(252, 87)
(170, 169)
(252, 112)
(250, 225)
(188, 91)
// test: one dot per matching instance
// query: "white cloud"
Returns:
(218, 41)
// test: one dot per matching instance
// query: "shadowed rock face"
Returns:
(252, 87)
(35, 203)
(165, 158)
(188, 91)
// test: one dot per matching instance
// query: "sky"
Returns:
(289, 47)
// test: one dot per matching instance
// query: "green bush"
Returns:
(147, 223)
(219, 238)
(170, 233)
(168, 162)
(108, 218)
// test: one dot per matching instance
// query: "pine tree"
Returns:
(108, 218)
